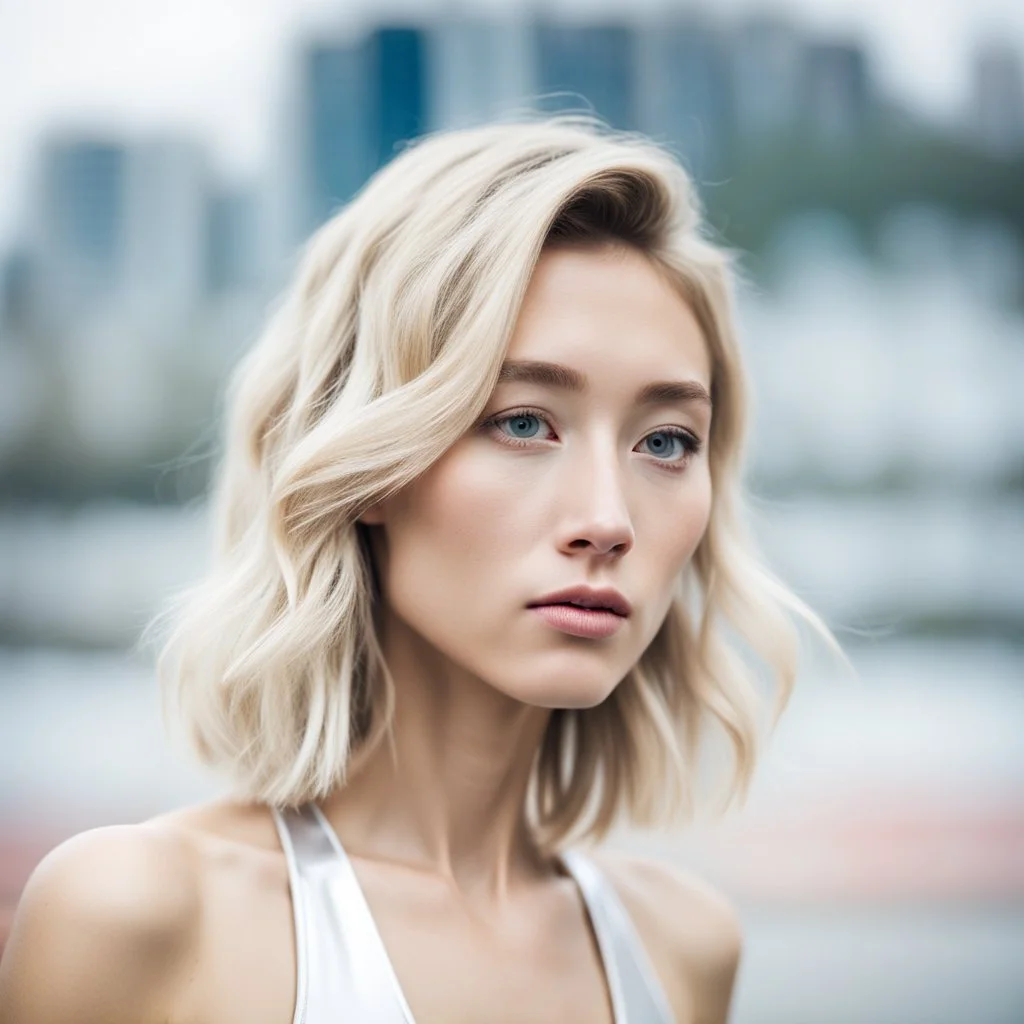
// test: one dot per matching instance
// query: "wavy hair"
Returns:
(380, 354)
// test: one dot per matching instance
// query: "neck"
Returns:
(448, 795)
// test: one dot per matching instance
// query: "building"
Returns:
(165, 225)
(335, 136)
(768, 77)
(589, 66)
(396, 63)
(78, 224)
(17, 284)
(685, 91)
(359, 101)
(120, 223)
(478, 68)
(997, 98)
(836, 91)
(235, 249)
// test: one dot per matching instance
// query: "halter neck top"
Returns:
(342, 967)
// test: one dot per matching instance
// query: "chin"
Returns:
(566, 694)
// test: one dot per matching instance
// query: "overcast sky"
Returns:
(218, 65)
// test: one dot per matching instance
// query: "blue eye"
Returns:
(523, 427)
(665, 444)
(520, 420)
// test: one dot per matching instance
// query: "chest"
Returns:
(542, 965)
(539, 964)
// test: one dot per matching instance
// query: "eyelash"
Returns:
(691, 443)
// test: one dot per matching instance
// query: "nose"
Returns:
(596, 513)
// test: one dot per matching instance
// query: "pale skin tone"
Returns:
(187, 917)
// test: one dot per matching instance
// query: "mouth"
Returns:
(592, 599)
(592, 623)
(581, 607)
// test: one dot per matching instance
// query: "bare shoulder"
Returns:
(103, 926)
(691, 930)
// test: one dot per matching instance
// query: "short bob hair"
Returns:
(383, 351)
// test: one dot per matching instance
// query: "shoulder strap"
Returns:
(345, 966)
(637, 994)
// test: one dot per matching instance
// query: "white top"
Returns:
(343, 969)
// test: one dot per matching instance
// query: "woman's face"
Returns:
(556, 487)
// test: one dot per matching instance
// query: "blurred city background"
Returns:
(867, 159)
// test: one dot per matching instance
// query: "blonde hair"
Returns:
(382, 353)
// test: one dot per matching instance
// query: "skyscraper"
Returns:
(359, 100)
(16, 294)
(592, 66)
(997, 98)
(836, 90)
(164, 227)
(335, 136)
(80, 208)
(478, 68)
(234, 259)
(397, 69)
(685, 91)
(768, 76)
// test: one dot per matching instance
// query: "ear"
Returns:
(373, 516)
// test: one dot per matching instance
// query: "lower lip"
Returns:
(593, 624)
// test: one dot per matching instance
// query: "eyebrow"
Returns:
(564, 378)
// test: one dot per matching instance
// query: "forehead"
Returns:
(610, 307)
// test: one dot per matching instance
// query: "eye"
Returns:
(521, 421)
(665, 441)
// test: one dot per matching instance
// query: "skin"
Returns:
(187, 917)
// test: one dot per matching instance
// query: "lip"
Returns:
(593, 623)
(595, 598)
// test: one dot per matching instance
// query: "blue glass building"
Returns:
(16, 298)
(686, 94)
(336, 122)
(361, 100)
(397, 67)
(80, 225)
(594, 65)
(836, 90)
(232, 242)
(478, 68)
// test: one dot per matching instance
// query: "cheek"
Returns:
(698, 515)
(454, 540)
(457, 523)
(675, 537)
(681, 532)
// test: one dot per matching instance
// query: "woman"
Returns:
(480, 539)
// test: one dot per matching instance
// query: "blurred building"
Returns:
(478, 68)
(836, 91)
(997, 98)
(397, 56)
(120, 223)
(234, 243)
(767, 74)
(337, 154)
(141, 223)
(590, 65)
(685, 90)
(16, 295)
(22, 391)
(80, 209)
(166, 201)
(359, 100)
